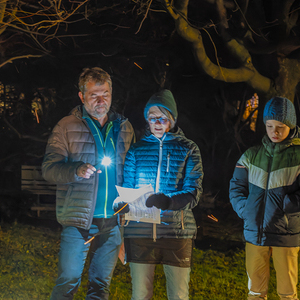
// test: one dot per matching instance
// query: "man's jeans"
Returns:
(142, 276)
(72, 256)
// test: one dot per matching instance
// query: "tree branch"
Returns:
(245, 73)
(18, 57)
(288, 19)
(21, 136)
(2, 13)
(144, 17)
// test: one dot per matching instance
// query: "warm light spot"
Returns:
(138, 66)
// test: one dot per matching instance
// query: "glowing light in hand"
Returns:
(106, 161)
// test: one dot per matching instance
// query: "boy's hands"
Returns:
(159, 200)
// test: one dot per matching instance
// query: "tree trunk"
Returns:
(287, 79)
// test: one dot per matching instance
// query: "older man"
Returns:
(84, 157)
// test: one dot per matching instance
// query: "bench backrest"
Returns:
(33, 182)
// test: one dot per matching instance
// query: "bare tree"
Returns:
(27, 27)
(248, 29)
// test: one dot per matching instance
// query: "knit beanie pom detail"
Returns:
(282, 110)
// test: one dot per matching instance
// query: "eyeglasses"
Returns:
(161, 120)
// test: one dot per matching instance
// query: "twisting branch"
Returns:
(18, 57)
(37, 19)
(245, 73)
(144, 17)
(222, 13)
(288, 19)
(21, 136)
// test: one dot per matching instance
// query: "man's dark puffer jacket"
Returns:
(70, 145)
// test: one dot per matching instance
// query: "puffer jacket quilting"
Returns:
(180, 173)
(70, 145)
(265, 193)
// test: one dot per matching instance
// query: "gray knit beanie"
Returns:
(282, 110)
(165, 99)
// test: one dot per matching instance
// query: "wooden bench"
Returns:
(32, 182)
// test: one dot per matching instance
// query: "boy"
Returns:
(265, 193)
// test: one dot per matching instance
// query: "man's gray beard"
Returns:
(95, 114)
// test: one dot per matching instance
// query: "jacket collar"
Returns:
(292, 140)
(112, 115)
(174, 133)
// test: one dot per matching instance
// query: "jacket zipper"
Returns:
(264, 203)
(113, 144)
(159, 166)
(168, 162)
(158, 178)
(109, 126)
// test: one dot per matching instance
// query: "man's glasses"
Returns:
(161, 120)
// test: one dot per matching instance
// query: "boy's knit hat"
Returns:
(165, 99)
(282, 110)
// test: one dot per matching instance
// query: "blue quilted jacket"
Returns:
(173, 166)
(265, 192)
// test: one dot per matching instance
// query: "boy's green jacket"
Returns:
(265, 192)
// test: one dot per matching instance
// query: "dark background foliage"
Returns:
(137, 43)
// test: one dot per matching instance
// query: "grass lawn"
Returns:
(29, 257)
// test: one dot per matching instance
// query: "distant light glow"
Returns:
(106, 161)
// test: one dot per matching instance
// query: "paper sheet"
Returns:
(136, 199)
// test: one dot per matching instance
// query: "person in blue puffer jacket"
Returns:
(172, 164)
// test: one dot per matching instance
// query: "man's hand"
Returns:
(159, 200)
(86, 170)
